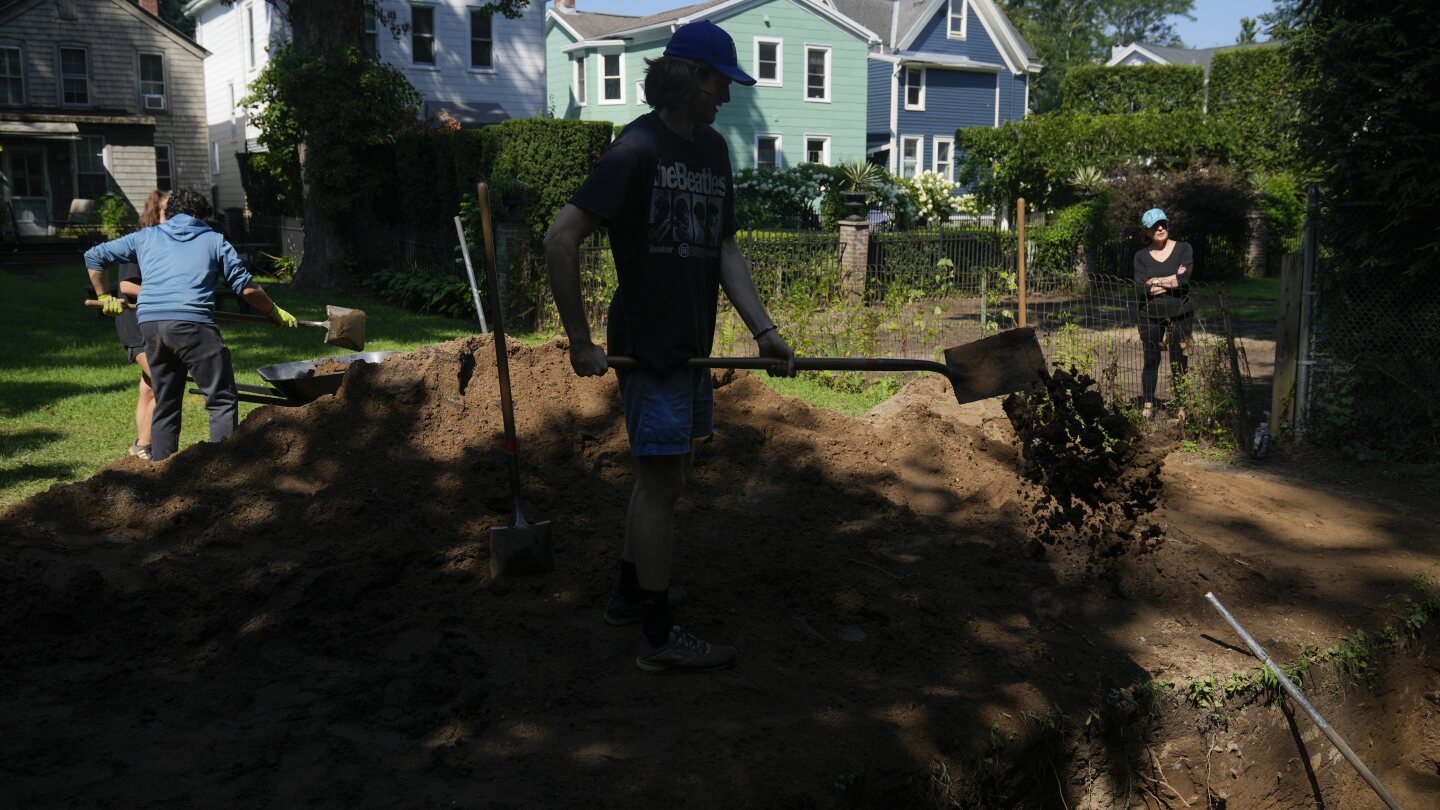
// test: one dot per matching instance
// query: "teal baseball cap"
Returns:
(1154, 215)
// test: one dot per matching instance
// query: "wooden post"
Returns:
(1287, 342)
(1020, 254)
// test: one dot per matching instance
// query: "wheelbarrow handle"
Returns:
(804, 364)
(222, 315)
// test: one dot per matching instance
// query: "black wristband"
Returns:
(770, 328)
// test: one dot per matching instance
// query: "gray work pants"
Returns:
(173, 348)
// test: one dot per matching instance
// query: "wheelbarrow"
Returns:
(299, 382)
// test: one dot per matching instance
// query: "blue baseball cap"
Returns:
(1154, 215)
(704, 41)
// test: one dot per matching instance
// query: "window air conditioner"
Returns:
(153, 102)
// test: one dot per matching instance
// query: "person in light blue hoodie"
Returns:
(185, 262)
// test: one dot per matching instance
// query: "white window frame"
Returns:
(579, 84)
(169, 161)
(470, 21)
(140, 76)
(104, 163)
(829, 74)
(60, 57)
(372, 33)
(215, 156)
(779, 80)
(249, 33)
(919, 141)
(640, 92)
(779, 152)
(935, 161)
(824, 151)
(620, 57)
(20, 65)
(434, 39)
(951, 14)
(911, 71)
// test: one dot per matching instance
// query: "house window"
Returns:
(152, 81)
(959, 12)
(422, 35)
(910, 155)
(817, 74)
(372, 34)
(90, 181)
(768, 53)
(215, 157)
(817, 149)
(12, 86)
(943, 160)
(27, 174)
(75, 77)
(163, 178)
(612, 79)
(482, 46)
(915, 89)
(250, 37)
(580, 80)
(767, 151)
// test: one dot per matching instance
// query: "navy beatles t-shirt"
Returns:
(668, 202)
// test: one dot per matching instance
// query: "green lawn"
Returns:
(67, 392)
(1254, 299)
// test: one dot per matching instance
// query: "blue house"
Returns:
(939, 65)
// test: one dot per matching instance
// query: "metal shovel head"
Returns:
(997, 365)
(345, 327)
(521, 550)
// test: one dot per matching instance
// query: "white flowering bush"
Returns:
(933, 194)
(769, 198)
(892, 196)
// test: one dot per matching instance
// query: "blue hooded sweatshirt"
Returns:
(183, 262)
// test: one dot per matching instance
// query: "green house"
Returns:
(809, 61)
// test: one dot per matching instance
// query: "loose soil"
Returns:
(303, 616)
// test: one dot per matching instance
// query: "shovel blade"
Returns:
(345, 327)
(997, 365)
(517, 551)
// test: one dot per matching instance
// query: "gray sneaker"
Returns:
(684, 653)
(141, 451)
(620, 611)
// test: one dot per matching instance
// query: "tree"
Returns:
(1144, 20)
(324, 101)
(1248, 28)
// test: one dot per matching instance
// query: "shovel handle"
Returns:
(804, 364)
(222, 315)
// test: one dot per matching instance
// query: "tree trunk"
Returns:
(320, 27)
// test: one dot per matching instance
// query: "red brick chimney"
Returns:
(152, 6)
(565, 6)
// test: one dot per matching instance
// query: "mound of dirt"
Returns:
(304, 615)
(1098, 474)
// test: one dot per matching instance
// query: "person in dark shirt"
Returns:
(650, 188)
(1162, 275)
(127, 328)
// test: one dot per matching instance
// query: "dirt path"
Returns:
(303, 615)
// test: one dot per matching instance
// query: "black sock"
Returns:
(629, 584)
(656, 617)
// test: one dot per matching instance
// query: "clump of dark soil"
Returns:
(1098, 474)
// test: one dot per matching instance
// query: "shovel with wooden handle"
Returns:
(989, 367)
(344, 327)
(522, 547)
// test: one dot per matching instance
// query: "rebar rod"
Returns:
(1294, 692)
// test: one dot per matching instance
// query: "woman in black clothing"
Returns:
(1162, 274)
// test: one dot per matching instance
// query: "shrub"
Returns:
(116, 215)
(1251, 95)
(933, 194)
(1118, 89)
(270, 189)
(1055, 245)
(1209, 207)
(549, 155)
(782, 198)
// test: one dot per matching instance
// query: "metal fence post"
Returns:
(1020, 254)
(1304, 360)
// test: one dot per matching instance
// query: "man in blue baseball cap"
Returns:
(656, 188)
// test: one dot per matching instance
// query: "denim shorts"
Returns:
(665, 411)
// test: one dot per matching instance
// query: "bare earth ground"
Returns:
(304, 616)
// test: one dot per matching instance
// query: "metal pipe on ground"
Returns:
(1299, 697)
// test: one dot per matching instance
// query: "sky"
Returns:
(1217, 22)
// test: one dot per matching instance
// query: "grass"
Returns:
(1254, 299)
(67, 391)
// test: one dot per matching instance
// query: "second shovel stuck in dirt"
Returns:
(522, 547)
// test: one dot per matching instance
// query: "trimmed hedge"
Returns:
(1251, 94)
(1118, 89)
(552, 156)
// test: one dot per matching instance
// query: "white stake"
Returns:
(470, 271)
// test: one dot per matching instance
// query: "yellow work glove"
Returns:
(111, 305)
(283, 319)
